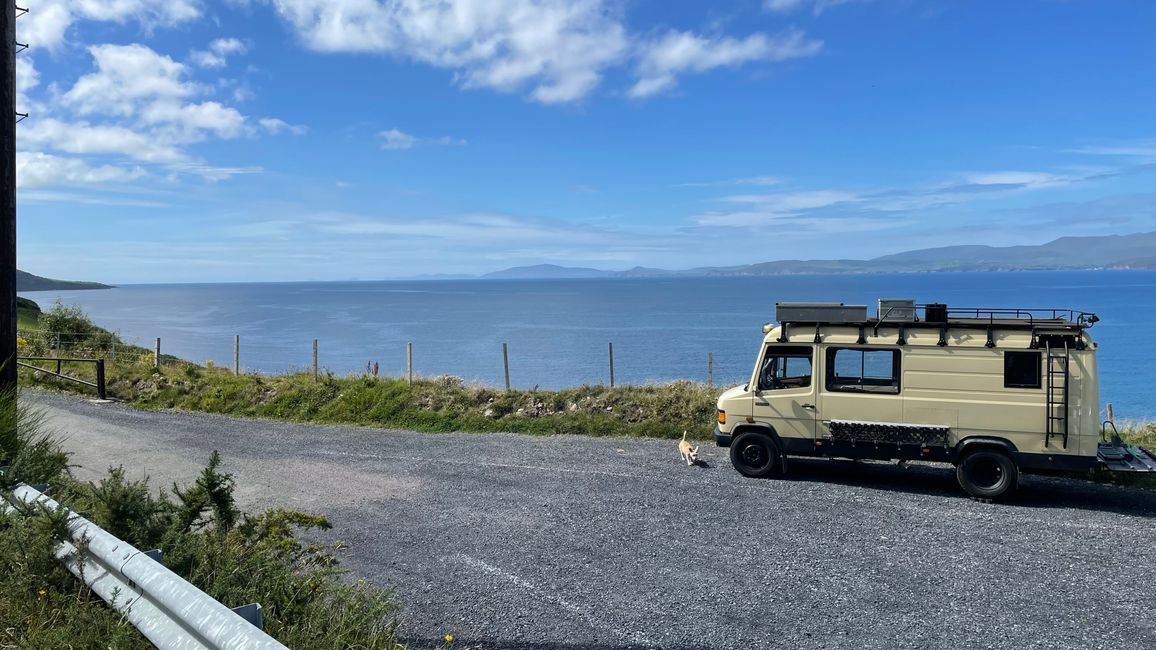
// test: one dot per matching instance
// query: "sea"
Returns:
(558, 332)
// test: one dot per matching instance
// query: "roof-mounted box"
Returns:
(896, 310)
(803, 312)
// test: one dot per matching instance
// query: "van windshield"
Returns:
(785, 367)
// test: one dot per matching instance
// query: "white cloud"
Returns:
(394, 139)
(1143, 148)
(126, 77)
(793, 201)
(681, 52)
(187, 123)
(750, 180)
(788, 6)
(556, 48)
(27, 77)
(818, 209)
(140, 104)
(217, 56)
(91, 139)
(479, 231)
(46, 26)
(212, 172)
(37, 169)
(275, 126)
(1020, 179)
(397, 140)
(765, 209)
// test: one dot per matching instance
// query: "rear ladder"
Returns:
(1057, 393)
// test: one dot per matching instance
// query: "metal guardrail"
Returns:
(168, 610)
(99, 385)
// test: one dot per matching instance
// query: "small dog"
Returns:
(688, 453)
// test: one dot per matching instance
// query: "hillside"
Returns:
(1135, 251)
(27, 314)
(545, 271)
(29, 282)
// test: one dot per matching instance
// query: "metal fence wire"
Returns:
(718, 369)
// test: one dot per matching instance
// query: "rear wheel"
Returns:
(987, 474)
(756, 455)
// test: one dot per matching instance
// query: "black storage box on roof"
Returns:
(819, 312)
(935, 312)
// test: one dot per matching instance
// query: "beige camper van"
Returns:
(995, 392)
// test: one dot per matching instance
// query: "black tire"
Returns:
(987, 474)
(756, 455)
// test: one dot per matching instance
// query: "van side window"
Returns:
(785, 367)
(1021, 369)
(858, 370)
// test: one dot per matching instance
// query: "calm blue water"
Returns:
(557, 330)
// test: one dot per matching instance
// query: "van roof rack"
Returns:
(935, 314)
(1042, 323)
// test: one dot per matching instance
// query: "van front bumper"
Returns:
(721, 439)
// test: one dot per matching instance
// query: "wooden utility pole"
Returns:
(157, 355)
(409, 362)
(8, 197)
(237, 354)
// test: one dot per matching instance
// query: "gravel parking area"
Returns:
(522, 542)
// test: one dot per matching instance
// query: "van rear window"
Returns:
(860, 370)
(1021, 369)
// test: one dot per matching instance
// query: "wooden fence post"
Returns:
(314, 359)
(237, 354)
(506, 365)
(610, 349)
(100, 385)
(710, 368)
(157, 355)
(409, 362)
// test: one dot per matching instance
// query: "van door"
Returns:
(784, 395)
(860, 384)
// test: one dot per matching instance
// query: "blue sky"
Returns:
(231, 140)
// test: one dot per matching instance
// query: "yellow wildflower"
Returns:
(449, 638)
(43, 593)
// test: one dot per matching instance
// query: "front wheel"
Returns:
(987, 474)
(756, 455)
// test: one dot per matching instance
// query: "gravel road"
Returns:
(523, 542)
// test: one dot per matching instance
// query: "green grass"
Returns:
(431, 404)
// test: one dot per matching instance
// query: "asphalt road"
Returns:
(512, 541)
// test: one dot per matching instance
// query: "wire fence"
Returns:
(249, 357)
(101, 345)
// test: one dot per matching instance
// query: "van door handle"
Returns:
(808, 406)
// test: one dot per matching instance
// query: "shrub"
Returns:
(31, 452)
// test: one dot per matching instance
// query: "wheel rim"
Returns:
(755, 456)
(986, 473)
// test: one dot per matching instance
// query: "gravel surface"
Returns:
(522, 542)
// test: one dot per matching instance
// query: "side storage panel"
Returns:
(962, 386)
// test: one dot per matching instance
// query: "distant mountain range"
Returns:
(29, 282)
(1136, 251)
